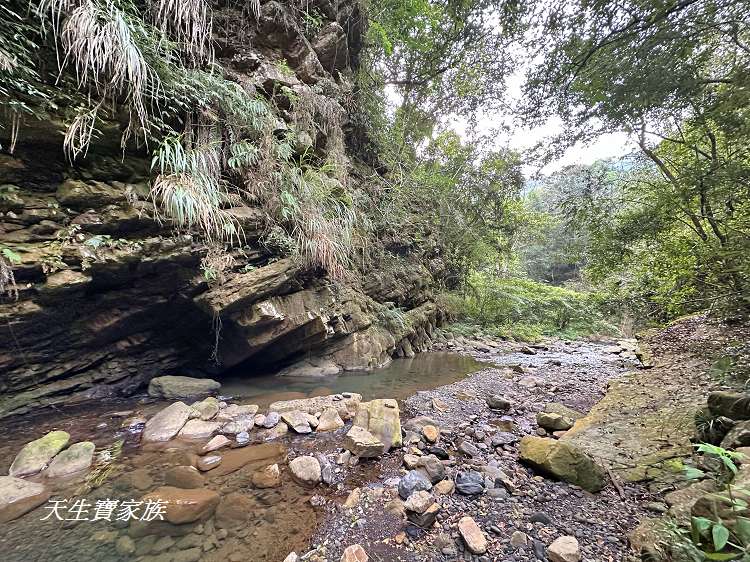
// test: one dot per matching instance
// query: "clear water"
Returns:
(399, 380)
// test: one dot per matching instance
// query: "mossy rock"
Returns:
(564, 461)
(35, 456)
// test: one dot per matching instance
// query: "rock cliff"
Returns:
(110, 297)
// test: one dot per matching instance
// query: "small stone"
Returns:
(353, 498)
(444, 488)
(18, 496)
(499, 403)
(208, 462)
(469, 483)
(564, 549)
(426, 519)
(259, 420)
(297, 421)
(272, 418)
(242, 438)
(216, 443)
(268, 477)
(431, 433)
(125, 546)
(439, 452)
(291, 557)
(518, 539)
(183, 477)
(354, 553)
(468, 449)
(503, 438)
(473, 536)
(411, 461)
(306, 470)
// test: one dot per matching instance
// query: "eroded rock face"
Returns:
(35, 456)
(121, 299)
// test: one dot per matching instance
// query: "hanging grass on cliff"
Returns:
(215, 143)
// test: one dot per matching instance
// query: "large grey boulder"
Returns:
(168, 422)
(733, 405)
(171, 387)
(74, 459)
(18, 496)
(306, 470)
(37, 454)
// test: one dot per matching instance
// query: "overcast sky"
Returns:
(519, 138)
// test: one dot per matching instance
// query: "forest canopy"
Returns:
(663, 231)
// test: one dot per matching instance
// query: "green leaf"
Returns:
(11, 256)
(720, 535)
(692, 473)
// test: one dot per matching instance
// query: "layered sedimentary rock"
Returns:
(109, 297)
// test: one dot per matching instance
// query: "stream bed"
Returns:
(250, 524)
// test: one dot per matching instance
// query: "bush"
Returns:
(524, 309)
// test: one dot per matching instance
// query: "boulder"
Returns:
(37, 454)
(553, 422)
(345, 404)
(297, 421)
(564, 549)
(18, 496)
(468, 448)
(268, 477)
(183, 505)
(74, 459)
(382, 419)
(171, 387)
(199, 429)
(362, 443)
(431, 466)
(733, 405)
(472, 535)
(426, 519)
(208, 407)
(306, 470)
(167, 423)
(329, 420)
(419, 501)
(413, 481)
(562, 460)
(183, 477)
(331, 47)
(469, 482)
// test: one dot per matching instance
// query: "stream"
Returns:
(274, 521)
